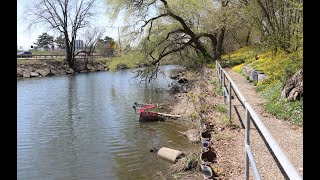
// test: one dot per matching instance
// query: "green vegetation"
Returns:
(130, 60)
(281, 108)
(34, 61)
(221, 108)
(223, 136)
(216, 83)
(58, 59)
(211, 65)
(37, 52)
(279, 66)
(194, 115)
(238, 68)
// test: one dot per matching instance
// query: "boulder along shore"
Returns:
(51, 68)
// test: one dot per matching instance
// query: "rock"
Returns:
(264, 114)
(34, 74)
(183, 80)
(26, 74)
(254, 75)
(31, 69)
(71, 71)
(247, 70)
(174, 76)
(293, 88)
(52, 72)
(174, 89)
(43, 72)
(20, 72)
(100, 67)
(262, 77)
(122, 66)
(193, 135)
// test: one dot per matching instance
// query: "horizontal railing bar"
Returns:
(282, 158)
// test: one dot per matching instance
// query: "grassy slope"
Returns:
(279, 67)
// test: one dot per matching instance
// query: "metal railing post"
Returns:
(247, 142)
(217, 68)
(229, 101)
(224, 81)
(221, 76)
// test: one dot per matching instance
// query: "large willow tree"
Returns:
(169, 27)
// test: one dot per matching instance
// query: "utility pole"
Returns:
(119, 39)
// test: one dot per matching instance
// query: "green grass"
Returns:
(279, 66)
(216, 84)
(223, 136)
(221, 108)
(281, 108)
(131, 60)
(35, 52)
(194, 115)
(35, 61)
(240, 56)
(238, 68)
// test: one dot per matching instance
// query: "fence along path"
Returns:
(284, 141)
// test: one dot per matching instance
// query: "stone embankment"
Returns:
(50, 68)
(253, 74)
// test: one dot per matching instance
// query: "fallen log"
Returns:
(169, 115)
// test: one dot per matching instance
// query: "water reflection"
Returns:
(84, 127)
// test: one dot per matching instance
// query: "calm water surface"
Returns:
(84, 127)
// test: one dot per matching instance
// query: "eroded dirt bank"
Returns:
(204, 102)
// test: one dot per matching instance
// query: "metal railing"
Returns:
(49, 56)
(287, 169)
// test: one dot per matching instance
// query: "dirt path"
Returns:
(289, 137)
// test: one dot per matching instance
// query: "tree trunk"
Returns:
(293, 88)
(248, 38)
(69, 59)
(69, 52)
(220, 43)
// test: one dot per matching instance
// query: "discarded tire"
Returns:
(206, 134)
(205, 142)
(207, 155)
(206, 171)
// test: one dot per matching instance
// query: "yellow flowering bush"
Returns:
(238, 68)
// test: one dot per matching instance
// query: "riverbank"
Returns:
(205, 101)
(32, 68)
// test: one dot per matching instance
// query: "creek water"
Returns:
(83, 126)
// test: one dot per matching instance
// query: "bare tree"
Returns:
(91, 38)
(66, 16)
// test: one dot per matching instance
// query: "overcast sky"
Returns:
(26, 38)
